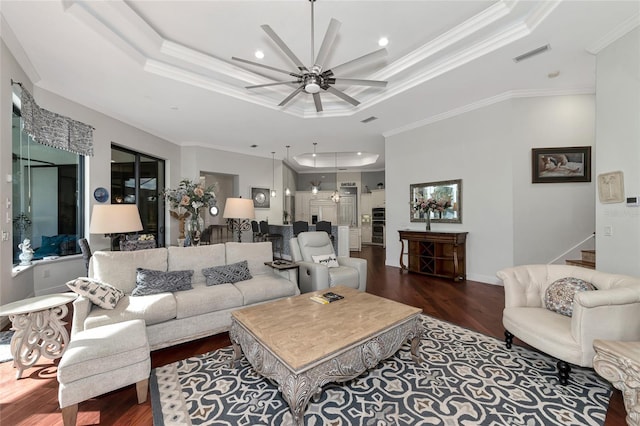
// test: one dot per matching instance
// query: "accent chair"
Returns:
(611, 312)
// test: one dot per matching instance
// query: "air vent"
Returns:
(531, 53)
(367, 120)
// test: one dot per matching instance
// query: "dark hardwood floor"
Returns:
(33, 400)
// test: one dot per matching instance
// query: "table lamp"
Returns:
(114, 220)
(237, 209)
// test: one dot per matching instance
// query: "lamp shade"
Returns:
(239, 208)
(115, 219)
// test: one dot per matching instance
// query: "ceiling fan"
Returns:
(312, 80)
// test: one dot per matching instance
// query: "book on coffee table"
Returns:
(326, 298)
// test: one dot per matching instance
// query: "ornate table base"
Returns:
(39, 329)
(619, 363)
(38, 334)
(297, 387)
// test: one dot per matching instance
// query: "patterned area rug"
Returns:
(466, 378)
(5, 346)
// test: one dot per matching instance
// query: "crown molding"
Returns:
(626, 26)
(13, 44)
(508, 95)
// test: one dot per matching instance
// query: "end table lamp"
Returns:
(236, 210)
(114, 220)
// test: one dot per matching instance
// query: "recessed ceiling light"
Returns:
(259, 54)
(359, 153)
(553, 74)
(383, 41)
(253, 146)
(175, 108)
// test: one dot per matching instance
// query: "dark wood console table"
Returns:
(441, 254)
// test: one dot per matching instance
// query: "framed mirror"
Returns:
(441, 200)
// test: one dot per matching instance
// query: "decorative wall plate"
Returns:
(260, 198)
(101, 194)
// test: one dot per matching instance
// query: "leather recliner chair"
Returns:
(352, 272)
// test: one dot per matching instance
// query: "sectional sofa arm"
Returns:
(312, 276)
(360, 265)
(81, 308)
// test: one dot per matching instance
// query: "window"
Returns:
(139, 179)
(47, 204)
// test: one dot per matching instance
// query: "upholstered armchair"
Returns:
(611, 312)
(350, 272)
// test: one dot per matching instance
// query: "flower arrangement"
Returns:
(190, 196)
(431, 205)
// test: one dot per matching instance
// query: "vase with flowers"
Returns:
(190, 197)
(427, 205)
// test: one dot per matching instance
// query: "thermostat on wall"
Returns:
(633, 202)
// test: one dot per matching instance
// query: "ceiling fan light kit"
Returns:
(312, 80)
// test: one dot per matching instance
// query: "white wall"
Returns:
(252, 171)
(490, 150)
(618, 149)
(550, 218)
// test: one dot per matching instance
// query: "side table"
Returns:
(282, 265)
(39, 329)
(619, 363)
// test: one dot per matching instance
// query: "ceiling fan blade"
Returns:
(359, 82)
(376, 54)
(343, 96)
(267, 29)
(327, 42)
(255, 86)
(257, 64)
(317, 101)
(291, 96)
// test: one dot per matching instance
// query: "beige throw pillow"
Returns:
(99, 293)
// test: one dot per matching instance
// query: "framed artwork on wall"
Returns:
(611, 187)
(261, 198)
(553, 165)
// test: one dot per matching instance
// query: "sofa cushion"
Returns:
(118, 268)
(149, 281)
(203, 299)
(328, 260)
(254, 253)
(559, 295)
(101, 294)
(262, 288)
(196, 258)
(152, 309)
(98, 350)
(223, 274)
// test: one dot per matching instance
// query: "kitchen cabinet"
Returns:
(377, 198)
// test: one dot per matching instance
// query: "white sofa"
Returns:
(173, 318)
(612, 312)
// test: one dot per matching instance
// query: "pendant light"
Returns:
(273, 173)
(314, 188)
(335, 197)
(287, 191)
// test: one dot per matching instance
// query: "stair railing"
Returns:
(574, 247)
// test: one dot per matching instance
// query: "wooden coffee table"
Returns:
(303, 345)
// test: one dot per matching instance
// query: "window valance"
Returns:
(58, 131)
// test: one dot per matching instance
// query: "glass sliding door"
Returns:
(139, 179)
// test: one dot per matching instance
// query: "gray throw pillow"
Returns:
(559, 295)
(149, 281)
(227, 273)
